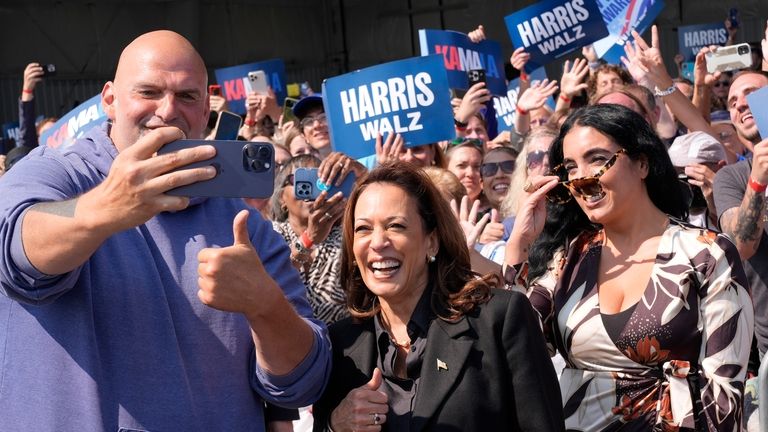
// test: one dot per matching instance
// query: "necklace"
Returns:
(404, 345)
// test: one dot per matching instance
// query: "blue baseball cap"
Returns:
(307, 104)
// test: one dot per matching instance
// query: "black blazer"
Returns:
(497, 374)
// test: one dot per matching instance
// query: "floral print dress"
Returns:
(689, 334)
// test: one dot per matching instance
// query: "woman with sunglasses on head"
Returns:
(313, 233)
(653, 316)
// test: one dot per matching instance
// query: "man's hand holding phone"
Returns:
(136, 187)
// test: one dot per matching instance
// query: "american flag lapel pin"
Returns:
(441, 365)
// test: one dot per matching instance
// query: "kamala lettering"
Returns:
(556, 28)
(458, 58)
(385, 97)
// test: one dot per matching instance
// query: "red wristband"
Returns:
(521, 111)
(523, 76)
(250, 122)
(756, 186)
(27, 91)
(565, 98)
(306, 241)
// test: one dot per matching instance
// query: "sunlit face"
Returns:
(741, 116)
(315, 129)
(726, 133)
(496, 185)
(465, 163)
(156, 87)
(540, 117)
(585, 152)
(421, 156)
(721, 86)
(390, 244)
(608, 81)
(476, 129)
(537, 155)
(299, 146)
(624, 100)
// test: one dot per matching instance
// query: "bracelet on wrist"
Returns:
(565, 98)
(521, 111)
(27, 91)
(756, 185)
(460, 124)
(666, 92)
(306, 241)
(250, 122)
(594, 65)
(524, 76)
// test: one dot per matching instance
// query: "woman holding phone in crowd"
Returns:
(427, 335)
(653, 316)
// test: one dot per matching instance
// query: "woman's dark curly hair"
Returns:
(456, 289)
(630, 131)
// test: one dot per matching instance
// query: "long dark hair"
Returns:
(630, 131)
(456, 289)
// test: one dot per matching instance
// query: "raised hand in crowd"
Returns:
(519, 58)
(533, 98)
(256, 106)
(494, 229)
(703, 82)
(354, 413)
(218, 103)
(336, 167)
(472, 102)
(33, 74)
(649, 59)
(530, 217)
(704, 177)
(679, 58)
(323, 214)
(589, 53)
(572, 82)
(732, 31)
(466, 214)
(391, 148)
(477, 35)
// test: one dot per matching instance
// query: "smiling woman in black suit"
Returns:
(430, 344)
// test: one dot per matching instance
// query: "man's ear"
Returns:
(108, 101)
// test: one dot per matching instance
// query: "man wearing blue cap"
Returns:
(313, 123)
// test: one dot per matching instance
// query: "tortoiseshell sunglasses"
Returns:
(582, 187)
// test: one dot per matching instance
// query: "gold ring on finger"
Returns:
(528, 186)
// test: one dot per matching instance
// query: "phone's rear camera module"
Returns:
(743, 50)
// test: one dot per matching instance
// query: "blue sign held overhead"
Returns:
(758, 104)
(621, 17)
(410, 97)
(695, 37)
(551, 29)
(235, 85)
(460, 55)
(506, 106)
(74, 124)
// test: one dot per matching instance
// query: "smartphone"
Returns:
(694, 195)
(288, 105)
(244, 169)
(228, 126)
(687, 71)
(733, 17)
(214, 90)
(475, 76)
(49, 69)
(258, 80)
(729, 58)
(306, 185)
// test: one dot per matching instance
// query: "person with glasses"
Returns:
(313, 123)
(653, 316)
(496, 172)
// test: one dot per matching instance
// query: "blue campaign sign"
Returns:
(551, 29)
(410, 97)
(11, 130)
(621, 17)
(506, 106)
(75, 123)
(461, 55)
(235, 85)
(695, 37)
(758, 104)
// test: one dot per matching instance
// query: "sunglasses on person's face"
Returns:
(490, 169)
(584, 187)
(459, 141)
(534, 159)
(722, 83)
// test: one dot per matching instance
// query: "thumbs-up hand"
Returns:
(494, 230)
(364, 408)
(232, 278)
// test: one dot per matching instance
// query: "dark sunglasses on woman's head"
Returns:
(490, 169)
(583, 187)
(288, 180)
(459, 141)
(722, 83)
(535, 158)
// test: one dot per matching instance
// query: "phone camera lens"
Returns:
(257, 165)
(743, 50)
(263, 152)
(250, 151)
